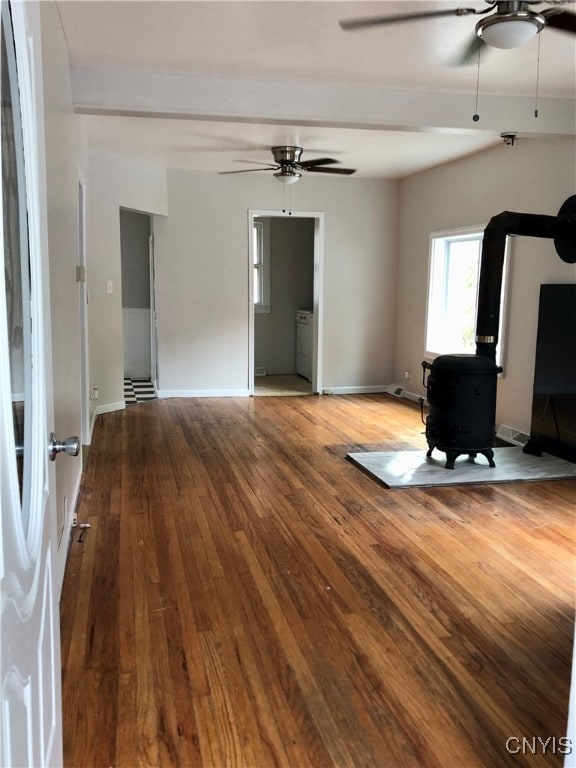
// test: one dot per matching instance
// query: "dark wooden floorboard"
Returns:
(248, 597)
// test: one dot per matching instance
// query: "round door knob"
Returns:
(71, 446)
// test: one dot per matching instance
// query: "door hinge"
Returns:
(80, 274)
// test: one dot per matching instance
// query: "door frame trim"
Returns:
(85, 427)
(318, 290)
(153, 315)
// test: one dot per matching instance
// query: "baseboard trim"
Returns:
(64, 543)
(166, 393)
(107, 408)
(377, 388)
(390, 389)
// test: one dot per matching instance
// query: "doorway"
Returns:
(286, 253)
(138, 314)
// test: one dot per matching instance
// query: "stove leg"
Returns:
(451, 457)
(489, 453)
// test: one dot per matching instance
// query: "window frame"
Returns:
(454, 235)
(260, 250)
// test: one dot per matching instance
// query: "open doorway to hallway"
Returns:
(285, 257)
(138, 311)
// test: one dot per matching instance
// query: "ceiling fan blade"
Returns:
(558, 18)
(469, 54)
(254, 162)
(317, 161)
(250, 170)
(375, 21)
(322, 169)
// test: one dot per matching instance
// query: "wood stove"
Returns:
(461, 389)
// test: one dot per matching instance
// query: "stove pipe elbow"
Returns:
(561, 228)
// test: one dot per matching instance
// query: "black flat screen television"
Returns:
(553, 425)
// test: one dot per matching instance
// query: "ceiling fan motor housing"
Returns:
(286, 155)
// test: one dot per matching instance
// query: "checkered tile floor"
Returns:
(138, 391)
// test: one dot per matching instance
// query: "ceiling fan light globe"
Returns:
(510, 31)
(289, 177)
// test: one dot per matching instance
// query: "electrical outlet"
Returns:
(408, 375)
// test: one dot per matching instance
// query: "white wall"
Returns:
(116, 181)
(202, 274)
(66, 157)
(534, 176)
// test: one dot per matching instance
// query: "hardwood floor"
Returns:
(248, 597)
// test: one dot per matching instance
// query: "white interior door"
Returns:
(30, 694)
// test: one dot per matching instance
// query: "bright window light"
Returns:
(453, 279)
(261, 260)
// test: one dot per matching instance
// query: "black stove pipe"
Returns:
(561, 228)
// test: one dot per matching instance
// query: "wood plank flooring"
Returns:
(248, 597)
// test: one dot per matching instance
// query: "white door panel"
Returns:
(30, 697)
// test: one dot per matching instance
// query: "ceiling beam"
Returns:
(174, 95)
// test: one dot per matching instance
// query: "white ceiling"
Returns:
(385, 100)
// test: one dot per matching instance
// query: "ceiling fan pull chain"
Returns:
(287, 190)
(476, 116)
(537, 78)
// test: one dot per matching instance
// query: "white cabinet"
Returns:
(304, 320)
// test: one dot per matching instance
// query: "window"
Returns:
(261, 261)
(453, 293)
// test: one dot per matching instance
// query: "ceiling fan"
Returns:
(288, 165)
(512, 23)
